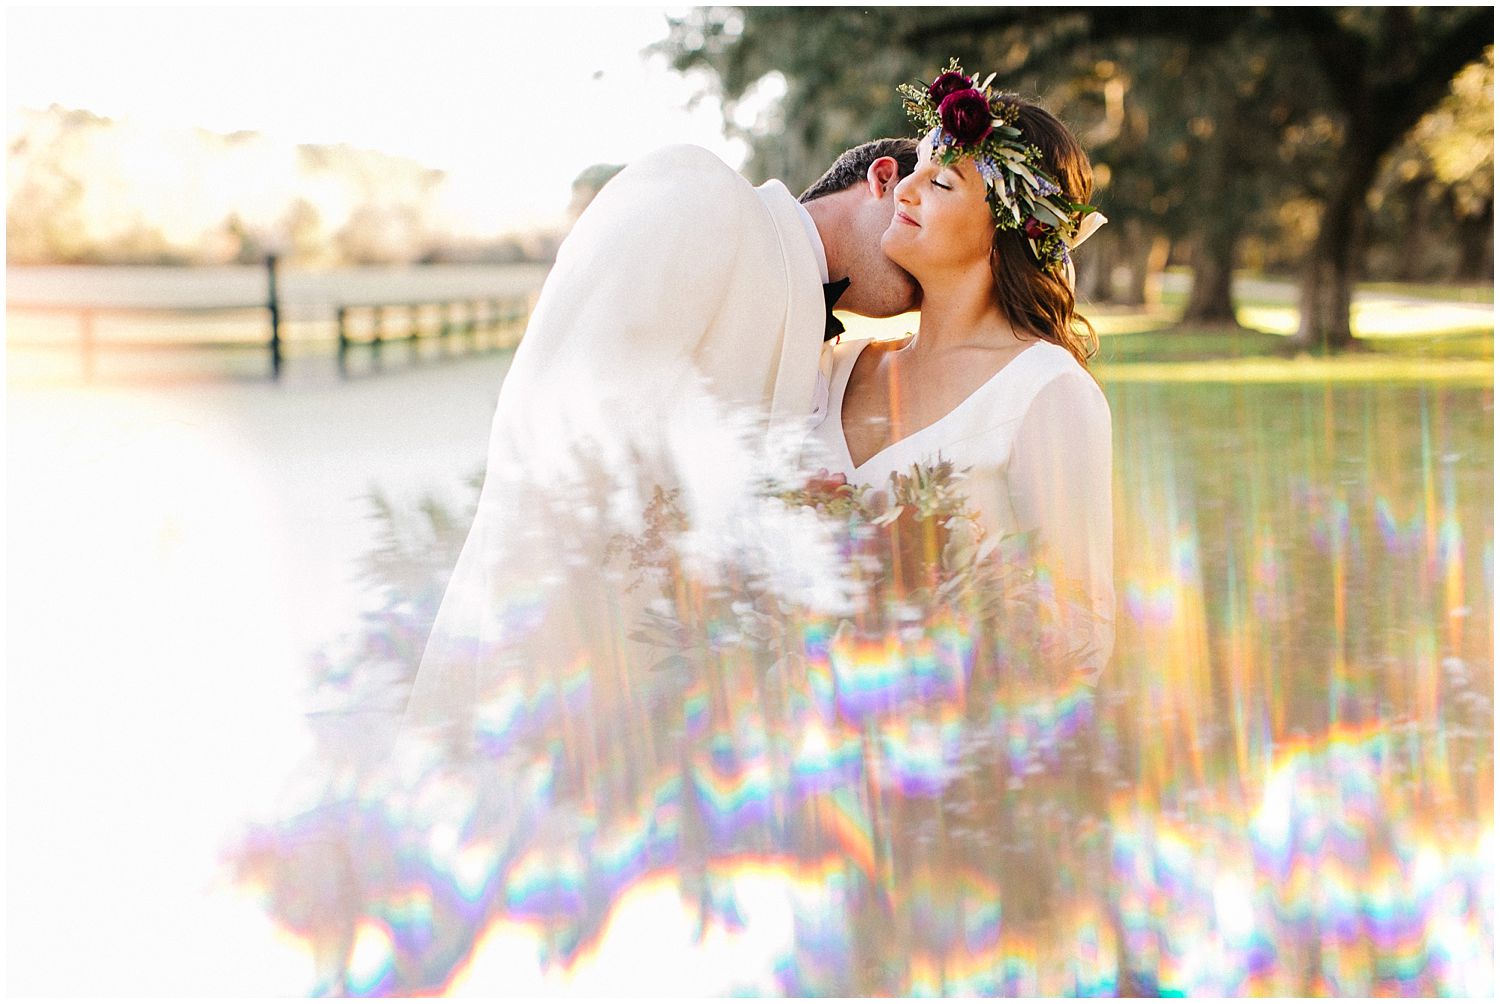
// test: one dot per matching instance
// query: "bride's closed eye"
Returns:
(939, 184)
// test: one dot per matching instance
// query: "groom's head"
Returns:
(852, 205)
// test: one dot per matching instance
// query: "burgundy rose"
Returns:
(1035, 228)
(947, 84)
(966, 116)
(824, 483)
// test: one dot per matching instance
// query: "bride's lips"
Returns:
(906, 219)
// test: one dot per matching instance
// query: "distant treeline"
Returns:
(84, 189)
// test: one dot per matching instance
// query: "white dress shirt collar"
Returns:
(816, 240)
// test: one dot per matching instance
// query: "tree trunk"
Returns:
(1127, 280)
(1211, 299)
(1327, 295)
(1476, 245)
(1413, 263)
(1094, 267)
(1328, 281)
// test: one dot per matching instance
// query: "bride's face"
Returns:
(942, 221)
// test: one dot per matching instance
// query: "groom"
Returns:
(682, 325)
(680, 276)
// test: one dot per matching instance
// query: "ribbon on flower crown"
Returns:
(1086, 228)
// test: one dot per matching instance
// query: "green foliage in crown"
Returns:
(961, 118)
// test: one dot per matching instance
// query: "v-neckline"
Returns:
(844, 389)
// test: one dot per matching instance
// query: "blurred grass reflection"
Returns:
(1282, 785)
(1303, 685)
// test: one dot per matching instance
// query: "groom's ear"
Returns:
(882, 176)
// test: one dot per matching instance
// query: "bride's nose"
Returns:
(904, 188)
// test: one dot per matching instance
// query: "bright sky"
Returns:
(512, 102)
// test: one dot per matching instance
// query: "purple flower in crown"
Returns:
(948, 83)
(1045, 186)
(988, 169)
(966, 114)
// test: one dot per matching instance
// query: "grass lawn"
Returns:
(1406, 332)
(1456, 292)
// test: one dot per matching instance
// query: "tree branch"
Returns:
(1099, 24)
(1407, 99)
(1341, 55)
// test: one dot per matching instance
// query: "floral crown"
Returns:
(964, 119)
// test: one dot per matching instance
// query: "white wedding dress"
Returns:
(1035, 440)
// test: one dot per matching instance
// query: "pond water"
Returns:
(1282, 784)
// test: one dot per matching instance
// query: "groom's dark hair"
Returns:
(852, 166)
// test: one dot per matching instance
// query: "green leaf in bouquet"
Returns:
(675, 663)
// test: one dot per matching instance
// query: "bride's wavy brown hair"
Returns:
(1036, 299)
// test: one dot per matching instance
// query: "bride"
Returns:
(995, 380)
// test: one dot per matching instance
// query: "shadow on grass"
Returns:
(1179, 343)
(1233, 354)
(1195, 343)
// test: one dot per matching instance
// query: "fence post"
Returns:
(377, 333)
(343, 323)
(86, 338)
(273, 302)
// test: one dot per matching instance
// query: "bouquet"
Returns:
(932, 592)
(908, 737)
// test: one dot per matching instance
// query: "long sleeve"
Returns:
(1059, 479)
(589, 421)
(637, 284)
(662, 332)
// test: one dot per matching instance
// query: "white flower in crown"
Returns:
(1086, 228)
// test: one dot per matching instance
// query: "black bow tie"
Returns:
(833, 327)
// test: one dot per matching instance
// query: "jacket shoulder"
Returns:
(686, 155)
(692, 173)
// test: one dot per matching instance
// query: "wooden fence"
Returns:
(477, 324)
(375, 325)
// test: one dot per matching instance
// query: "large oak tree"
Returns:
(1372, 73)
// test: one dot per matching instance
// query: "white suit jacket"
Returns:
(678, 274)
(680, 328)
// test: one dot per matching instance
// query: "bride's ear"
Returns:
(882, 176)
